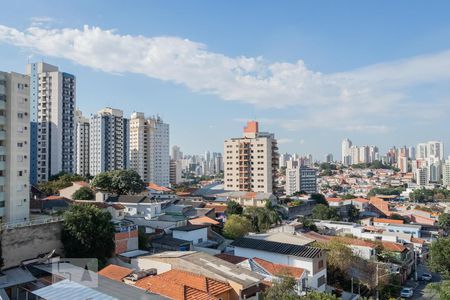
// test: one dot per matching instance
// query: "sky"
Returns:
(312, 72)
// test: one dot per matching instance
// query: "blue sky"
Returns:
(312, 72)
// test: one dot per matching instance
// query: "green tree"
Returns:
(272, 213)
(440, 289)
(444, 221)
(319, 198)
(88, 233)
(439, 260)
(120, 182)
(83, 193)
(233, 208)
(348, 196)
(236, 226)
(323, 212)
(353, 213)
(57, 182)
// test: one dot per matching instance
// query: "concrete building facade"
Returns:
(149, 149)
(301, 179)
(82, 144)
(107, 141)
(14, 147)
(52, 112)
(251, 162)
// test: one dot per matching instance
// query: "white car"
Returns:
(406, 292)
(426, 277)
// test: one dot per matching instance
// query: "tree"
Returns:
(236, 226)
(83, 193)
(444, 221)
(88, 233)
(57, 182)
(348, 196)
(120, 182)
(233, 208)
(272, 212)
(262, 218)
(319, 198)
(353, 213)
(284, 289)
(340, 257)
(440, 289)
(323, 212)
(439, 260)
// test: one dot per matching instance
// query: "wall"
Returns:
(126, 241)
(192, 236)
(25, 243)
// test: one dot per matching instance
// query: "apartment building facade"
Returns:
(108, 142)
(52, 122)
(301, 179)
(149, 148)
(14, 147)
(82, 144)
(250, 162)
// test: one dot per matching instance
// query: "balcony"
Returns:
(2, 104)
(2, 150)
(2, 196)
(2, 135)
(2, 180)
(2, 120)
(2, 165)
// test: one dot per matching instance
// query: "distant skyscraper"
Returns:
(107, 141)
(149, 148)
(52, 108)
(14, 147)
(329, 158)
(251, 162)
(446, 173)
(346, 154)
(412, 153)
(82, 144)
(176, 153)
(422, 176)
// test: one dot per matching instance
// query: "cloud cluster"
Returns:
(343, 100)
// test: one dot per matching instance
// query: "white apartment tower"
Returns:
(14, 147)
(346, 154)
(52, 109)
(301, 179)
(82, 144)
(446, 173)
(108, 141)
(149, 148)
(250, 162)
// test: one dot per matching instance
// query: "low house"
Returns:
(245, 284)
(274, 272)
(69, 191)
(382, 222)
(182, 285)
(138, 206)
(412, 229)
(312, 259)
(50, 204)
(196, 234)
(115, 272)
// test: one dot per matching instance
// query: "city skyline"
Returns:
(339, 98)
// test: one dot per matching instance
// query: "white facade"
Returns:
(315, 276)
(107, 141)
(195, 236)
(301, 179)
(14, 147)
(53, 100)
(82, 144)
(345, 149)
(149, 149)
(250, 162)
(446, 173)
(422, 178)
(175, 172)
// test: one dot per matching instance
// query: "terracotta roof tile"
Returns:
(204, 220)
(278, 269)
(395, 247)
(82, 183)
(389, 221)
(156, 187)
(115, 272)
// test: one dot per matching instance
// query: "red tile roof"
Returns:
(279, 269)
(231, 258)
(417, 241)
(204, 220)
(217, 208)
(115, 272)
(389, 221)
(82, 183)
(395, 247)
(177, 284)
(156, 187)
(361, 200)
(330, 199)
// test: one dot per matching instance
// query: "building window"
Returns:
(320, 264)
(321, 281)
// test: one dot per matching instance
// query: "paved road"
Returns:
(420, 291)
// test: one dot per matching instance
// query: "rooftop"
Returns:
(190, 227)
(279, 269)
(115, 272)
(231, 258)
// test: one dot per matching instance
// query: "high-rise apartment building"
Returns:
(432, 150)
(176, 153)
(108, 141)
(301, 179)
(422, 176)
(175, 172)
(346, 154)
(82, 144)
(149, 148)
(250, 162)
(52, 110)
(14, 147)
(446, 173)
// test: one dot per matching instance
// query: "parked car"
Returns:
(426, 277)
(406, 292)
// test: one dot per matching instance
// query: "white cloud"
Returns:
(342, 100)
(40, 21)
(284, 141)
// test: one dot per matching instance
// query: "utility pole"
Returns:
(378, 296)
(352, 284)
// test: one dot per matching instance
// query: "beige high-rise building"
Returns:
(250, 162)
(82, 144)
(14, 147)
(149, 149)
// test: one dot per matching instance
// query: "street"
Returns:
(420, 291)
